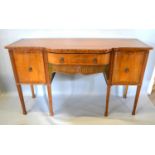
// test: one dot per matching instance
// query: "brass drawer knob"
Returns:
(30, 69)
(62, 60)
(95, 60)
(126, 70)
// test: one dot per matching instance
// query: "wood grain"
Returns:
(140, 84)
(77, 69)
(72, 45)
(19, 89)
(128, 66)
(48, 82)
(78, 59)
(37, 60)
(29, 66)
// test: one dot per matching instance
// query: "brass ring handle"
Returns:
(62, 60)
(30, 69)
(126, 70)
(95, 60)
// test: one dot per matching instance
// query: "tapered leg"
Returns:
(52, 76)
(21, 99)
(32, 90)
(125, 91)
(107, 100)
(136, 99)
(50, 99)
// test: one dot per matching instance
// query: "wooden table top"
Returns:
(78, 43)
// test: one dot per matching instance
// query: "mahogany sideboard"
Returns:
(122, 62)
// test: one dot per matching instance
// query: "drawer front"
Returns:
(79, 59)
(128, 66)
(30, 66)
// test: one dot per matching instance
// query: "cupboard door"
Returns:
(29, 65)
(128, 66)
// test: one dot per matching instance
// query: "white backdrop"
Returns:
(75, 14)
(72, 84)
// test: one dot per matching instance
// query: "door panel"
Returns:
(29, 65)
(128, 65)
